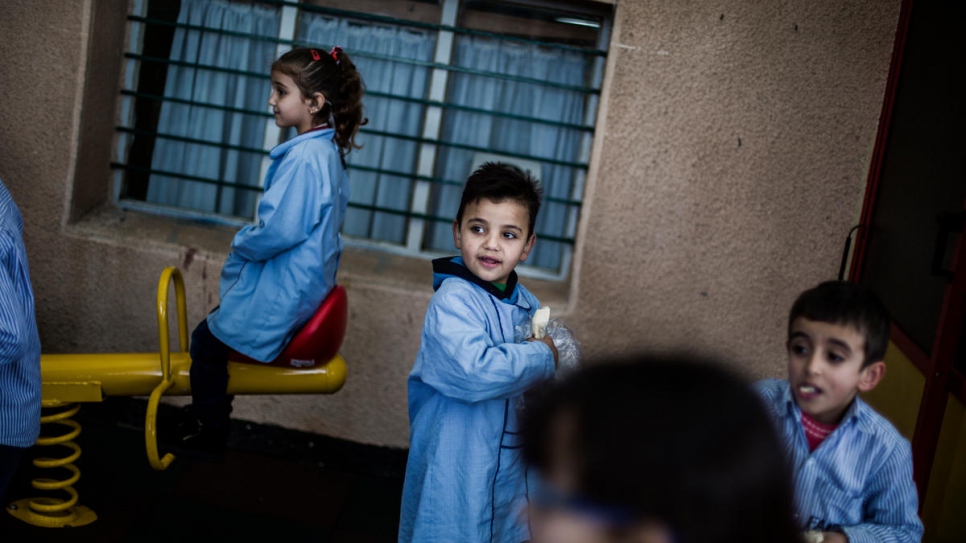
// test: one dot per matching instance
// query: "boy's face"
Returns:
(493, 238)
(825, 368)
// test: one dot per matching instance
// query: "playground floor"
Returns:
(274, 484)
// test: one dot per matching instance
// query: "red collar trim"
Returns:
(815, 431)
(320, 127)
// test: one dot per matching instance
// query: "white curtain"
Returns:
(385, 115)
(215, 125)
(503, 135)
(391, 116)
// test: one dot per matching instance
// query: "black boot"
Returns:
(193, 438)
(207, 443)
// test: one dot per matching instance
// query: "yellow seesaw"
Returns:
(310, 364)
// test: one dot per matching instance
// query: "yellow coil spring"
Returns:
(56, 512)
(56, 505)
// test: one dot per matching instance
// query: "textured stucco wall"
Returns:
(687, 238)
(736, 146)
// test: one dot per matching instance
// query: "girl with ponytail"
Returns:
(281, 268)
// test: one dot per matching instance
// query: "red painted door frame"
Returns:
(940, 377)
(881, 140)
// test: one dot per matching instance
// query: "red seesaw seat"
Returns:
(318, 341)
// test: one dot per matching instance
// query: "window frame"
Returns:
(435, 106)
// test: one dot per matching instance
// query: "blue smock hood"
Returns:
(453, 266)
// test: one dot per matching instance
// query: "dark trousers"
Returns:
(209, 377)
(9, 460)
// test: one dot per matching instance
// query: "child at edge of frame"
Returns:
(655, 447)
(852, 469)
(465, 478)
(281, 268)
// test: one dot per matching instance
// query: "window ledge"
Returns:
(360, 267)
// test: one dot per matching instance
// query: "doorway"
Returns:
(911, 249)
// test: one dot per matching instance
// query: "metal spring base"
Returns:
(56, 512)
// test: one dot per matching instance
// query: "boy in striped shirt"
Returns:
(19, 345)
(852, 468)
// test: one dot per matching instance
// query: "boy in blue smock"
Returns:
(852, 468)
(465, 479)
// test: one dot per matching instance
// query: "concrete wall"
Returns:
(736, 146)
(733, 145)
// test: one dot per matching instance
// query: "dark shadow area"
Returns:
(273, 483)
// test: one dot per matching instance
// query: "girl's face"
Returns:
(557, 515)
(291, 109)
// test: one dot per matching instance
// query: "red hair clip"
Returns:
(335, 53)
(315, 54)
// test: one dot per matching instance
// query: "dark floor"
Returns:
(274, 484)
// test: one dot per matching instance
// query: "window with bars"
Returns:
(450, 84)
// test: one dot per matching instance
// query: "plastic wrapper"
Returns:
(522, 332)
(569, 355)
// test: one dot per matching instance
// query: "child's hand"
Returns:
(825, 537)
(549, 341)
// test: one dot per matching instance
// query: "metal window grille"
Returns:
(415, 218)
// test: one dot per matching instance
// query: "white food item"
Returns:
(814, 537)
(540, 320)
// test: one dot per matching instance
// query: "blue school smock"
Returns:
(465, 479)
(280, 269)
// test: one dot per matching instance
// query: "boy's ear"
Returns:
(529, 247)
(870, 376)
(456, 234)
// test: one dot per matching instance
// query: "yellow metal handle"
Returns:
(151, 432)
(169, 275)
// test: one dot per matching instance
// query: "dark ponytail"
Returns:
(347, 109)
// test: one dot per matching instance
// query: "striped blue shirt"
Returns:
(858, 481)
(19, 341)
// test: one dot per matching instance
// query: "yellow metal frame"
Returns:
(243, 378)
(151, 419)
(90, 377)
(70, 379)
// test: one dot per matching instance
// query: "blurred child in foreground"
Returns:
(655, 449)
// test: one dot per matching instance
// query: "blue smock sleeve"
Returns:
(13, 327)
(464, 363)
(287, 213)
(892, 510)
